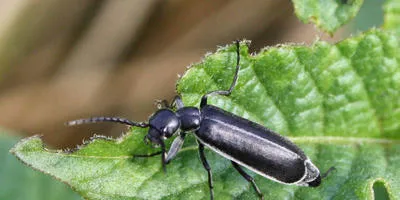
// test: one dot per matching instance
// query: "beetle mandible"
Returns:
(243, 142)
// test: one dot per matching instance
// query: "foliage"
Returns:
(328, 15)
(14, 176)
(339, 102)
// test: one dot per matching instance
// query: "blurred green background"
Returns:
(62, 60)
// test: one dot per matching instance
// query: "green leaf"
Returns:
(20, 182)
(348, 89)
(339, 102)
(105, 170)
(328, 15)
(392, 15)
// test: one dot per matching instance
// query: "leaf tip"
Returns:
(27, 144)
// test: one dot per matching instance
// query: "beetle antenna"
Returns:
(106, 119)
(328, 172)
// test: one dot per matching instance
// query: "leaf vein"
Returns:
(362, 81)
(318, 89)
(285, 118)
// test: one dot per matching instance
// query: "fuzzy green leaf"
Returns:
(327, 15)
(20, 182)
(340, 103)
(105, 170)
(392, 15)
(348, 89)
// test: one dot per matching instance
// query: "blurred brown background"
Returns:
(62, 60)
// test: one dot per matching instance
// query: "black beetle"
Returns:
(243, 142)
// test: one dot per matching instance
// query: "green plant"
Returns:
(339, 102)
(20, 182)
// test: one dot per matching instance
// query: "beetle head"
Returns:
(163, 124)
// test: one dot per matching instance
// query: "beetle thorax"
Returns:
(189, 117)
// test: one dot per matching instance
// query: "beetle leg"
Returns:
(172, 152)
(160, 104)
(208, 168)
(248, 179)
(328, 172)
(178, 102)
(235, 77)
(163, 162)
(175, 147)
(162, 152)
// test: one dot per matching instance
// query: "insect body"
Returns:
(243, 142)
(255, 147)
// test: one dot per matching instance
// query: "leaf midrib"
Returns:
(297, 140)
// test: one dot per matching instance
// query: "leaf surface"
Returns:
(348, 89)
(392, 15)
(328, 15)
(360, 163)
(20, 182)
(339, 103)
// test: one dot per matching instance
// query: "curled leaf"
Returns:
(328, 15)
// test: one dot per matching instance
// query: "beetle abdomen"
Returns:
(251, 145)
